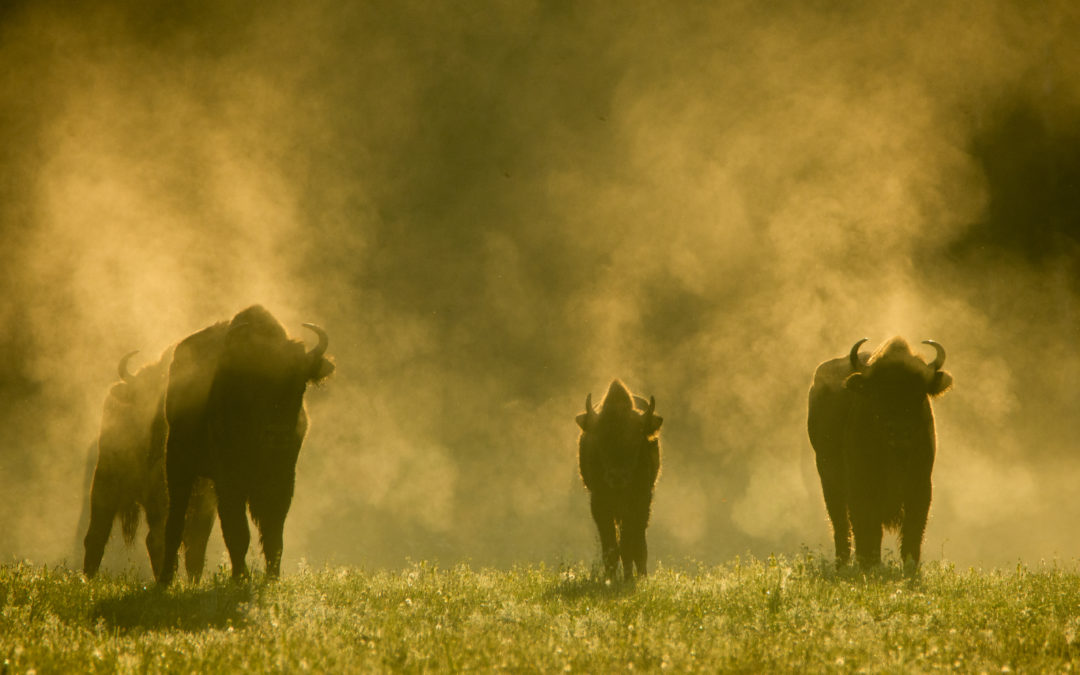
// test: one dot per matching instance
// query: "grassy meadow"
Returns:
(775, 615)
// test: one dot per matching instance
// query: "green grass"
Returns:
(781, 614)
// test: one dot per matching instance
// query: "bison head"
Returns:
(621, 434)
(139, 393)
(896, 374)
(140, 387)
(264, 374)
(256, 346)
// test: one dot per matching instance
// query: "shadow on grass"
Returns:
(192, 608)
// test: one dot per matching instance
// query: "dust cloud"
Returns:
(496, 207)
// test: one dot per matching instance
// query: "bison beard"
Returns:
(619, 459)
(235, 413)
(872, 428)
(130, 473)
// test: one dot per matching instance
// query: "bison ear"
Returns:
(855, 382)
(652, 425)
(583, 421)
(587, 419)
(940, 383)
(322, 369)
(122, 391)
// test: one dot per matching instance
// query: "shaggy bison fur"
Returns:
(619, 459)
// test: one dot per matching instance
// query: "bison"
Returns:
(619, 459)
(130, 473)
(872, 428)
(235, 413)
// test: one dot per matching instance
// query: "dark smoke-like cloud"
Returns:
(495, 208)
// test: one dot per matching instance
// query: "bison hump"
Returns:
(618, 398)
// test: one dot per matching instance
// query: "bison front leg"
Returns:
(604, 517)
(632, 544)
(864, 495)
(272, 544)
(867, 528)
(916, 511)
(270, 515)
(633, 550)
(234, 528)
(269, 507)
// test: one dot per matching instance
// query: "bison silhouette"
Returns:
(130, 473)
(235, 413)
(619, 459)
(872, 428)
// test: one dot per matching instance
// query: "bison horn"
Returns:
(853, 356)
(324, 341)
(590, 410)
(940, 360)
(122, 368)
(652, 406)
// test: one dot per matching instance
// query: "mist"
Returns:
(496, 208)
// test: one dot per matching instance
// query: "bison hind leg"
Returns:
(157, 508)
(841, 527)
(179, 487)
(836, 505)
(102, 514)
(200, 521)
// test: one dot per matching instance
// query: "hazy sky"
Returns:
(496, 208)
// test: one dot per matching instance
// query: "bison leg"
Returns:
(642, 556)
(605, 525)
(836, 506)
(634, 550)
(200, 520)
(234, 528)
(916, 510)
(179, 496)
(627, 548)
(632, 544)
(867, 539)
(271, 532)
(102, 514)
(269, 507)
(156, 507)
(835, 493)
